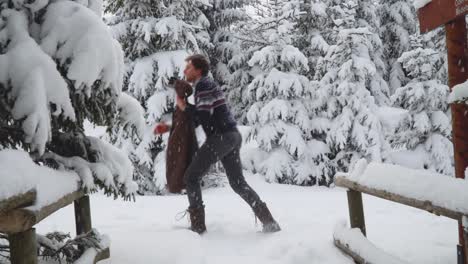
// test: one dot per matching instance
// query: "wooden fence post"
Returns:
(83, 215)
(356, 211)
(461, 251)
(23, 247)
(456, 34)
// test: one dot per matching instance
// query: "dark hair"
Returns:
(199, 62)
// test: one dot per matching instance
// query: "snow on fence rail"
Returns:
(22, 219)
(422, 189)
(21, 209)
(355, 244)
(16, 201)
(437, 194)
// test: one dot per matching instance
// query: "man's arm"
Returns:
(190, 109)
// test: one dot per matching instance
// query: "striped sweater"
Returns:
(210, 109)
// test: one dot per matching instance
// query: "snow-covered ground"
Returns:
(146, 231)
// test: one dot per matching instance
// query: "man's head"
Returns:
(197, 66)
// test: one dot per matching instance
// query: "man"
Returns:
(223, 142)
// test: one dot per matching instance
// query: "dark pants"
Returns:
(224, 147)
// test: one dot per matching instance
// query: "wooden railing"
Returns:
(356, 210)
(18, 221)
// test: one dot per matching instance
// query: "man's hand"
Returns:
(161, 128)
(181, 103)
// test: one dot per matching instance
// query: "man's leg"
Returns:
(233, 166)
(200, 164)
(214, 147)
(209, 153)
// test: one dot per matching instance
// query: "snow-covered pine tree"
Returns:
(426, 131)
(334, 15)
(224, 17)
(242, 48)
(314, 28)
(398, 23)
(59, 65)
(279, 95)
(156, 36)
(436, 40)
(345, 94)
(367, 16)
(229, 30)
(325, 21)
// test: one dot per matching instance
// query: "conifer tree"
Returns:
(398, 23)
(156, 36)
(426, 131)
(349, 83)
(280, 93)
(60, 66)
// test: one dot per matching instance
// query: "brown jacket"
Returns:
(182, 142)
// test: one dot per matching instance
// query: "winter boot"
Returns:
(263, 214)
(197, 219)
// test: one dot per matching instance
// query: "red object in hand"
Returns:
(161, 128)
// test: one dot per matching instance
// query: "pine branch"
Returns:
(52, 245)
(252, 40)
(4, 248)
(11, 132)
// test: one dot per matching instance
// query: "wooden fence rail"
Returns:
(18, 221)
(356, 210)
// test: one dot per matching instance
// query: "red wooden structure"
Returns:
(451, 13)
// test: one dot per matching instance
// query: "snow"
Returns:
(116, 164)
(113, 168)
(146, 231)
(318, 43)
(204, 2)
(19, 174)
(421, 3)
(319, 9)
(294, 56)
(345, 123)
(426, 129)
(131, 113)
(94, 5)
(71, 30)
(88, 257)
(93, 130)
(423, 185)
(90, 254)
(390, 116)
(71, 35)
(359, 168)
(164, 63)
(359, 244)
(35, 82)
(43, 240)
(459, 93)
(414, 159)
(80, 166)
